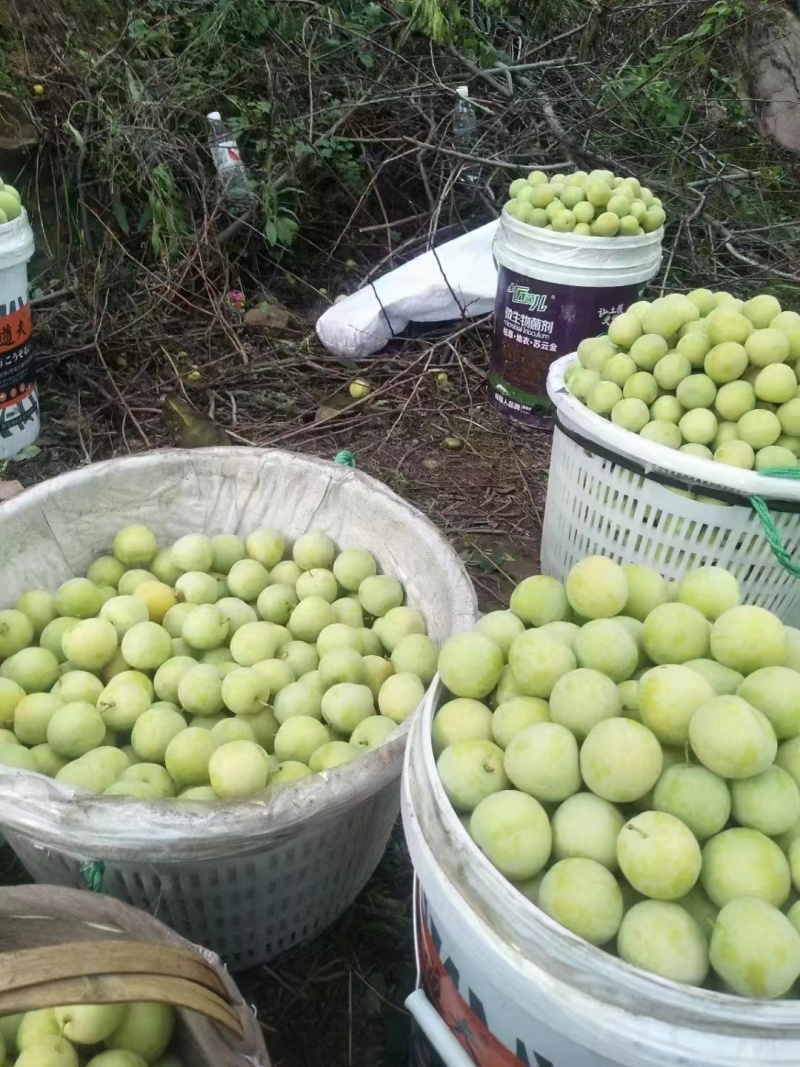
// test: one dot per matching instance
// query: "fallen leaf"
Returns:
(268, 317)
(325, 411)
(190, 429)
(9, 490)
(29, 452)
(331, 406)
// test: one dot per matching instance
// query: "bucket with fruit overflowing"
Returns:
(211, 723)
(19, 401)
(95, 982)
(572, 252)
(676, 444)
(601, 799)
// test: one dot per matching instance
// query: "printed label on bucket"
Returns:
(476, 1012)
(19, 403)
(536, 322)
(467, 1020)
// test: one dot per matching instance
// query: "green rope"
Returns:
(347, 459)
(771, 531)
(93, 875)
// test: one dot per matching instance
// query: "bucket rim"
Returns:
(16, 241)
(577, 241)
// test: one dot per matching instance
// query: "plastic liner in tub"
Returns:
(517, 989)
(554, 289)
(610, 493)
(19, 401)
(248, 878)
(40, 917)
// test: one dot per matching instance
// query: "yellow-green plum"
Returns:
(745, 863)
(661, 937)
(513, 832)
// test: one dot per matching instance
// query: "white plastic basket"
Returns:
(251, 906)
(249, 878)
(610, 493)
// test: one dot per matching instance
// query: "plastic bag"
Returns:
(456, 280)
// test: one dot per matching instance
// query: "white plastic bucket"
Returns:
(19, 401)
(517, 990)
(553, 290)
(609, 493)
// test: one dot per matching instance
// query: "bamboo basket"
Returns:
(67, 946)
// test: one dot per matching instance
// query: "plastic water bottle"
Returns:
(465, 124)
(465, 131)
(236, 188)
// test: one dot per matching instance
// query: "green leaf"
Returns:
(29, 452)
(135, 90)
(137, 29)
(121, 215)
(488, 562)
(145, 218)
(155, 239)
(367, 60)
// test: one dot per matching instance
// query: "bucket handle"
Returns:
(427, 1018)
(437, 1031)
(771, 531)
(114, 972)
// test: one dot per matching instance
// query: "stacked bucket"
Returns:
(499, 983)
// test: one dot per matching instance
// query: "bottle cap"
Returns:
(463, 92)
(214, 116)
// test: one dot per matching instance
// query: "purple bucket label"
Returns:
(535, 323)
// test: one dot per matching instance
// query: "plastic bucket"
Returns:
(512, 988)
(19, 401)
(553, 290)
(610, 493)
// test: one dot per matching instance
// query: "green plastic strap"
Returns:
(347, 459)
(771, 531)
(93, 875)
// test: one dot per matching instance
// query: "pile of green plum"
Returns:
(598, 204)
(212, 668)
(705, 373)
(10, 203)
(97, 1035)
(626, 751)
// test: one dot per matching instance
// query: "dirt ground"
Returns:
(337, 1000)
